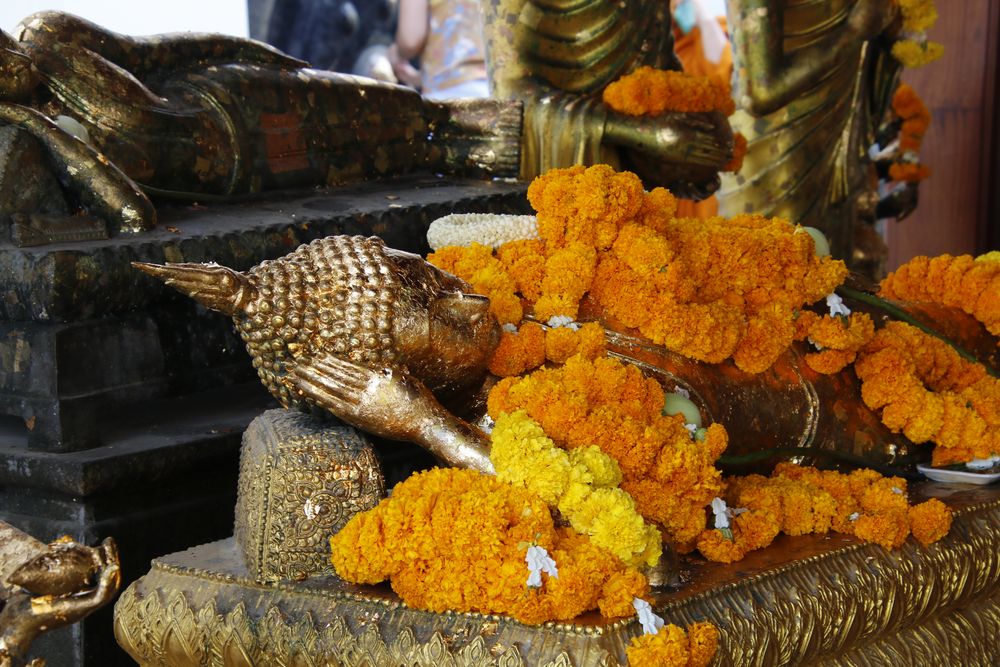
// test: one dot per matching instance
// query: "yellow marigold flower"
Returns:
(611, 405)
(918, 15)
(916, 54)
(524, 456)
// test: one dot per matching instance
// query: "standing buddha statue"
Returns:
(558, 55)
(813, 81)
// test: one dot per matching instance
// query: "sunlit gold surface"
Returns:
(808, 599)
(811, 90)
(376, 336)
(558, 55)
(43, 587)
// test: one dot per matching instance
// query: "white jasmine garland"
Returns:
(836, 305)
(721, 513)
(650, 622)
(510, 328)
(681, 391)
(539, 561)
(489, 229)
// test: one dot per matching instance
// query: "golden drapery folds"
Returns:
(557, 55)
(811, 84)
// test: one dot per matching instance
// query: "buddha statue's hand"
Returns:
(390, 403)
(386, 402)
(682, 151)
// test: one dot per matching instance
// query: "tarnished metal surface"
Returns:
(803, 600)
(191, 115)
(43, 587)
(810, 90)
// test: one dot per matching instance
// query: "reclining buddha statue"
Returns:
(384, 340)
(197, 116)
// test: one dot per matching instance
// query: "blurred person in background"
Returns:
(446, 36)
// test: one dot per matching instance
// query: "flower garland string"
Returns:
(581, 483)
(671, 646)
(916, 50)
(708, 289)
(971, 285)
(914, 119)
(929, 393)
(798, 500)
(647, 91)
(457, 540)
(603, 402)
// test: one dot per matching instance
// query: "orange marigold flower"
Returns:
(907, 171)
(928, 392)
(672, 647)
(971, 286)
(930, 521)
(651, 92)
(561, 343)
(519, 352)
(458, 540)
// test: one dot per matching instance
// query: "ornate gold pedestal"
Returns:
(811, 599)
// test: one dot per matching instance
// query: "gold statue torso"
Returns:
(558, 55)
(807, 161)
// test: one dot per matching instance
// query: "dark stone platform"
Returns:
(122, 403)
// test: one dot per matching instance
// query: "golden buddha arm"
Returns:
(771, 78)
(392, 404)
(103, 189)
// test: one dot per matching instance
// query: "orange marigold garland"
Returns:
(959, 282)
(476, 265)
(672, 647)
(739, 152)
(529, 346)
(707, 289)
(927, 391)
(651, 92)
(797, 500)
(451, 539)
(914, 119)
(603, 402)
(838, 339)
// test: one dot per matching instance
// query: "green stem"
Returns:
(898, 313)
(815, 452)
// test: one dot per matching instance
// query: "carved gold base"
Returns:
(810, 599)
